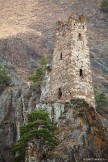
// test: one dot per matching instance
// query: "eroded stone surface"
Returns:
(15, 104)
(80, 131)
(82, 137)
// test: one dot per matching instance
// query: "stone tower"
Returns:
(71, 75)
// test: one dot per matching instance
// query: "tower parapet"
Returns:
(73, 18)
(71, 75)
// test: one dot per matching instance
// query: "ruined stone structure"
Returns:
(71, 70)
(67, 94)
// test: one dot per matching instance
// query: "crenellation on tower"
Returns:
(73, 18)
(82, 19)
(59, 26)
(61, 29)
(71, 75)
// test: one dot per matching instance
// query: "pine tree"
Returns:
(39, 127)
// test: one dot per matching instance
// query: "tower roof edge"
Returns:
(82, 18)
(72, 17)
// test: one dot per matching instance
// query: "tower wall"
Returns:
(71, 75)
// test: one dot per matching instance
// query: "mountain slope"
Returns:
(27, 30)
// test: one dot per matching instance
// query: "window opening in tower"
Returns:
(59, 93)
(61, 56)
(80, 36)
(81, 72)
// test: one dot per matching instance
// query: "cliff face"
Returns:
(81, 133)
(15, 103)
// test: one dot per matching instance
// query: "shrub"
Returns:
(101, 100)
(5, 78)
(39, 127)
(104, 5)
(38, 75)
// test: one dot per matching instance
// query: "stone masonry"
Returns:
(71, 75)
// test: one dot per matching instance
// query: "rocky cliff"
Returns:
(15, 103)
(80, 131)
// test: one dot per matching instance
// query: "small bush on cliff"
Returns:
(101, 100)
(39, 127)
(104, 5)
(5, 78)
(37, 76)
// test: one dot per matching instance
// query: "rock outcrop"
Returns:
(80, 131)
(15, 103)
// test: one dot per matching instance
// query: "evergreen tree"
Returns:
(39, 127)
(38, 75)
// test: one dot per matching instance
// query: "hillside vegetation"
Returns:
(39, 127)
(105, 5)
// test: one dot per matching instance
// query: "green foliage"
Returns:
(39, 127)
(37, 76)
(5, 78)
(101, 99)
(104, 5)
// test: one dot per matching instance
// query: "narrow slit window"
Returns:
(59, 93)
(80, 36)
(81, 72)
(61, 56)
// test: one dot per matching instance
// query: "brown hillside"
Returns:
(27, 31)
